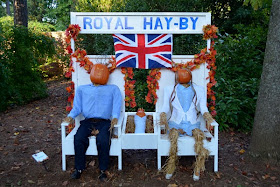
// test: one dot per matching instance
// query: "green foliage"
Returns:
(40, 27)
(239, 67)
(38, 9)
(21, 51)
(54, 65)
(4, 74)
(100, 44)
(2, 11)
(59, 14)
(256, 4)
(7, 24)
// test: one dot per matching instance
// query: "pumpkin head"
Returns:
(141, 112)
(184, 76)
(99, 74)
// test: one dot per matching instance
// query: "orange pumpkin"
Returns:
(141, 112)
(99, 74)
(184, 76)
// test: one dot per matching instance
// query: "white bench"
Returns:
(81, 77)
(185, 143)
(154, 140)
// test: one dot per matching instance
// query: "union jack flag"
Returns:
(145, 51)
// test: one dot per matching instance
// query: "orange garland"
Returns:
(72, 32)
(152, 81)
(210, 32)
(129, 87)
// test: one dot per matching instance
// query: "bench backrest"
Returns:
(81, 77)
(168, 77)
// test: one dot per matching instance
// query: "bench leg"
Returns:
(216, 163)
(159, 161)
(63, 162)
(120, 161)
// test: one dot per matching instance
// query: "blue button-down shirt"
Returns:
(102, 101)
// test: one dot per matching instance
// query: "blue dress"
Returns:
(185, 96)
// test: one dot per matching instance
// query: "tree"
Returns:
(59, 13)
(265, 136)
(20, 13)
(8, 10)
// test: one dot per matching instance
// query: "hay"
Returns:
(163, 121)
(149, 124)
(113, 123)
(208, 117)
(170, 165)
(202, 153)
(94, 132)
(130, 126)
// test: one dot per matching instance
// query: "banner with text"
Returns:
(140, 22)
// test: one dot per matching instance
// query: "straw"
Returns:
(149, 124)
(130, 126)
(170, 165)
(202, 153)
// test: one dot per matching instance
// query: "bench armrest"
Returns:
(118, 126)
(119, 123)
(214, 123)
(63, 130)
(64, 124)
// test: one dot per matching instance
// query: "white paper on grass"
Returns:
(40, 157)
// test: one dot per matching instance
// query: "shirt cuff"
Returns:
(115, 116)
(69, 115)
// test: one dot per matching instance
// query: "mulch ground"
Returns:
(36, 126)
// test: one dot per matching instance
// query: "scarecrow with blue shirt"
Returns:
(185, 101)
(98, 103)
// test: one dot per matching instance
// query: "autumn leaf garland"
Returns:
(72, 32)
(209, 31)
(152, 81)
(129, 87)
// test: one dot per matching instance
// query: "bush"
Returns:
(21, 51)
(4, 75)
(7, 23)
(239, 67)
(40, 27)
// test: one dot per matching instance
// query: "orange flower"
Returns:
(69, 49)
(68, 89)
(68, 74)
(68, 108)
(133, 104)
(148, 99)
(82, 63)
(72, 32)
(129, 87)
(210, 32)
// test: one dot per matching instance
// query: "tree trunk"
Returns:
(266, 130)
(20, 12)
(8, 10)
